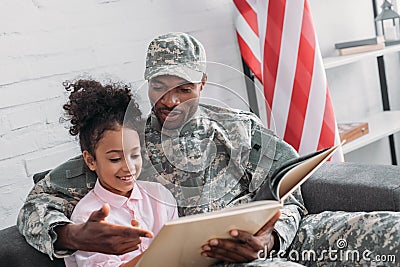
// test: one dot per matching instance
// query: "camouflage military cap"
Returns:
(177, 54)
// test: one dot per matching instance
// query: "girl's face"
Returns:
(118, 160)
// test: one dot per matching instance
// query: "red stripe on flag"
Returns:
(248, 14)
(248, 56)
(302, 82)
(272, 44)
(327, 136)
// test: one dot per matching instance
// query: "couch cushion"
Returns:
(16, 252)
(353, 187)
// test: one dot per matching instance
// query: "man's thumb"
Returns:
(101, 214)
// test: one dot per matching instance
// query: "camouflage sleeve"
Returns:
(267, 154)
(49, 204)
(293, 209)
(288, 224)
(44, 209)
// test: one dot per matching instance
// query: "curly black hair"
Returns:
(94, 108)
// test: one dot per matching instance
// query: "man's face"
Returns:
(174, 100)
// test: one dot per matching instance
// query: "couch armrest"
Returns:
(16, 252)
(353, 187)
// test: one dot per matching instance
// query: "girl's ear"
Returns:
(89, 160)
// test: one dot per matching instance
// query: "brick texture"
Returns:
(43, 43)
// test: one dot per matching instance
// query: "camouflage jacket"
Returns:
(219, 158)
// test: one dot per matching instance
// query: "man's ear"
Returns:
(89, 160)
(203, 81)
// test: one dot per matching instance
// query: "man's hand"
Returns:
(244, 247)
(97, 235)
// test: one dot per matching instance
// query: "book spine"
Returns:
(370, 41)
(360, 49)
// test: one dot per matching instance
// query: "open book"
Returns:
(179, 241)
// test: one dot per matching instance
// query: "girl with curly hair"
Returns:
(108, 123)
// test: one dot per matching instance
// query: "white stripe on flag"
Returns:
(287, 64)
(338, 156)
(247, 34)
(315, 107)
(262, 15)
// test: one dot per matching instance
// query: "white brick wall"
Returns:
(45, 42)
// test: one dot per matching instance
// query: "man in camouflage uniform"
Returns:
(209, 158)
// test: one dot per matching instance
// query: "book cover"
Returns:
(352, 130)
(369, 41)
(179, 241)
(360, 49)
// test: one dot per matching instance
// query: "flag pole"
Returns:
(251, 89)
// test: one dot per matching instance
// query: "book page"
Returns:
(300, 173)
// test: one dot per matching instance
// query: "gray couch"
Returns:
(335, 186)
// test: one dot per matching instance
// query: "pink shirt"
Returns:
(150, 204)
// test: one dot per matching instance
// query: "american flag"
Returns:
(277, 41)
